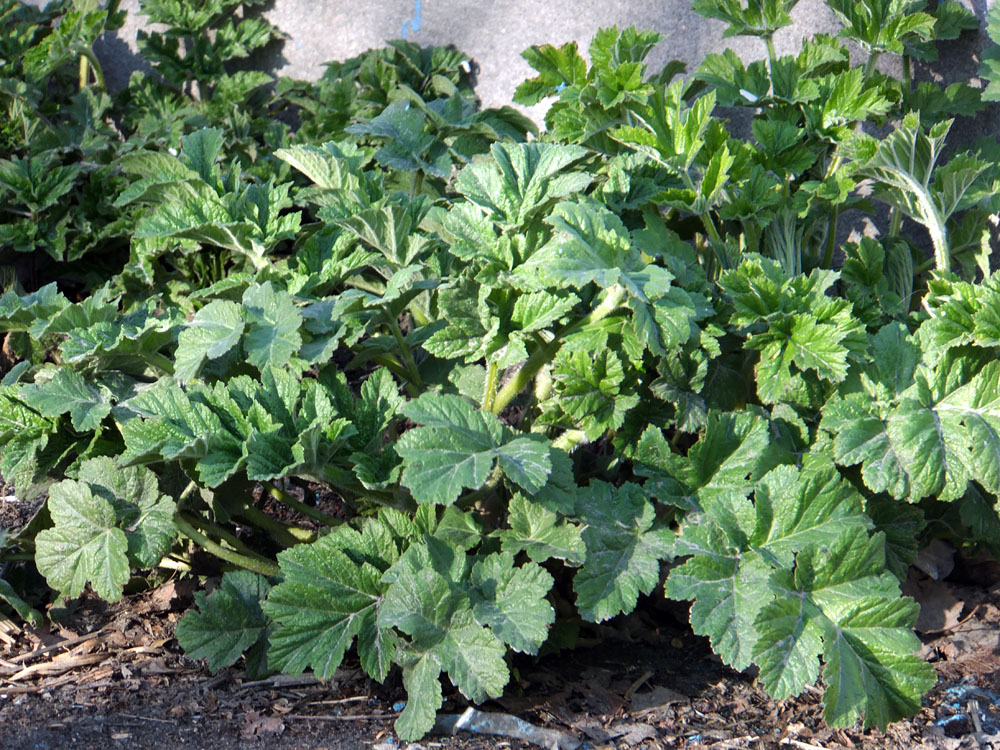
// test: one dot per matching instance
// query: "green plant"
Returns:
(531, 371)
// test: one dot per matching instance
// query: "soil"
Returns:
(106, 676)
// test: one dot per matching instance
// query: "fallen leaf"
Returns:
(636, 733)
(658, 697)
(255, 725)
(940, 610)
(937, 559)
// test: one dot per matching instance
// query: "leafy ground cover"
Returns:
(503, 382)
(114, 674)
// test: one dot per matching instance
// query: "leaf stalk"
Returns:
(254, 564)
(544, 354)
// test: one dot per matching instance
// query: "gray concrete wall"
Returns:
(494, 33)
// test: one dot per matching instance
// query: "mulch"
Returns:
(112, 675)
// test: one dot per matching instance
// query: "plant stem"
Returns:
(254, 564)
(544, 354)
(490, 387)
(84, 72)
(895, 221)
(772, 56)
(831, 238)
(291, 502)
(283, 534)
(870, 65)
(160, 362)
(95, 66)
(225, 535)
(418, 182)
(404, 349)
(12, 556)
(393, 365)
(171, 564)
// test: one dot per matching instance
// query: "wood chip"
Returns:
(67, 643)
(59, 665)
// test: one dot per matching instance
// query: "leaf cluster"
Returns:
(524, 372)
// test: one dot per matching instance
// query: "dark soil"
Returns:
(111, 676)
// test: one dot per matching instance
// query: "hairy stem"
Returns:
(393, 365)
(159, 362)
(89, 60)
(254, 564)
(490, 386)
(170, 563)
(772, 56)
(870, 65)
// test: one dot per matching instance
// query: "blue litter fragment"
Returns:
(413, 25)
(399, 706)
(960, 694)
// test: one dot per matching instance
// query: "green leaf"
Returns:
(882, 25)
(406, 146)
(36, 182)
(907, 176)
(85, 544)
(931, 437)
(141, 510)
(511, 601)
(67, 391)
(588, 387)
(200, 150)
(521, 180)
(468, 652)
(272, 335)
(215, 331)
(457, 447)
(842, 594)
(590, 244)
(324, 601)
(538, 531)
(444, 636)
(754, 19)
(725, 461)
(624, 547)
(735, 546)
(24, 610)
(330, 166)
(228, 622)
(421, 680)
(557, 67)
(805, 330)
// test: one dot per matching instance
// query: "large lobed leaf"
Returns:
(457, 446)
(228, 623)
(104, 522)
